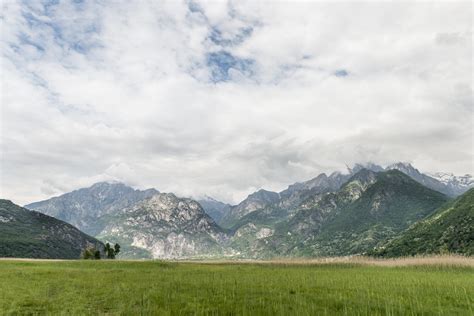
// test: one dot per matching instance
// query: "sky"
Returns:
(222, 98)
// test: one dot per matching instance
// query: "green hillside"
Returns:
(29, 234)
(449, 230)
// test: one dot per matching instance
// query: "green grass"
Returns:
(150, 287)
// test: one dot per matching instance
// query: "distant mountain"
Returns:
(300, 194)
(367, 211)
(29, 234)
(369, 166)
(253, 202)
(442, 182)
(449, 230)
(164, 226)
(422, 178)
(214, 208)
(85, 207)
(457, 184)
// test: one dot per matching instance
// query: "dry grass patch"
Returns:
(441, 260)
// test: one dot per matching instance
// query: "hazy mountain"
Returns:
(30, 234)
(253, 202)
(85, 207)
(449, 230)
(457, 184)
(442, 182)
(424, 179)
(164, 226)
(367, 211)
(215, 209)
(369, 166)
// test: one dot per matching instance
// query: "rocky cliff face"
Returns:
(84, 208)
(165, 226)
(30, 234)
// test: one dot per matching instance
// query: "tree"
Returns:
(90, 253)
(86, 254)
(109, 251)
(117, 249)
(97, 255)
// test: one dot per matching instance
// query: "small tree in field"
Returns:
(111, 252)
(90, 253)
(86, 254)
(117, 249)
(97, 255)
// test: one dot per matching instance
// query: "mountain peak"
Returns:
(107, 183)
(264, 194)
(404, 167)
(368, 165)
(83, 207)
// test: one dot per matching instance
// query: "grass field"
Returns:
(280, 288)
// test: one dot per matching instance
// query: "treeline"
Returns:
(93, 253)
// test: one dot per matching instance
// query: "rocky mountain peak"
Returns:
(404, 167)
(83, 207)
(171, 203)
(363, 176)
(452, 180)
(264, 196)
(369, 166)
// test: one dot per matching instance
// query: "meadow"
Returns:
(357, 287)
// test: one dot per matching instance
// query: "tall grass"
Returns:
(174, 288)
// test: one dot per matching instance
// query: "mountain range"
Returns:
(147, 224)
(330, 215)
(369, 209)
(293, 197)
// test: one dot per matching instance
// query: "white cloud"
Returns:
(125, 91)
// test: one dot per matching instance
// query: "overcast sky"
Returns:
(224, 98)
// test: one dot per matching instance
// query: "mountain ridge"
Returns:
(450, 229)
(31, 234)
(313, 209)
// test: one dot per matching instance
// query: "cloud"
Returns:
(223, 98)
